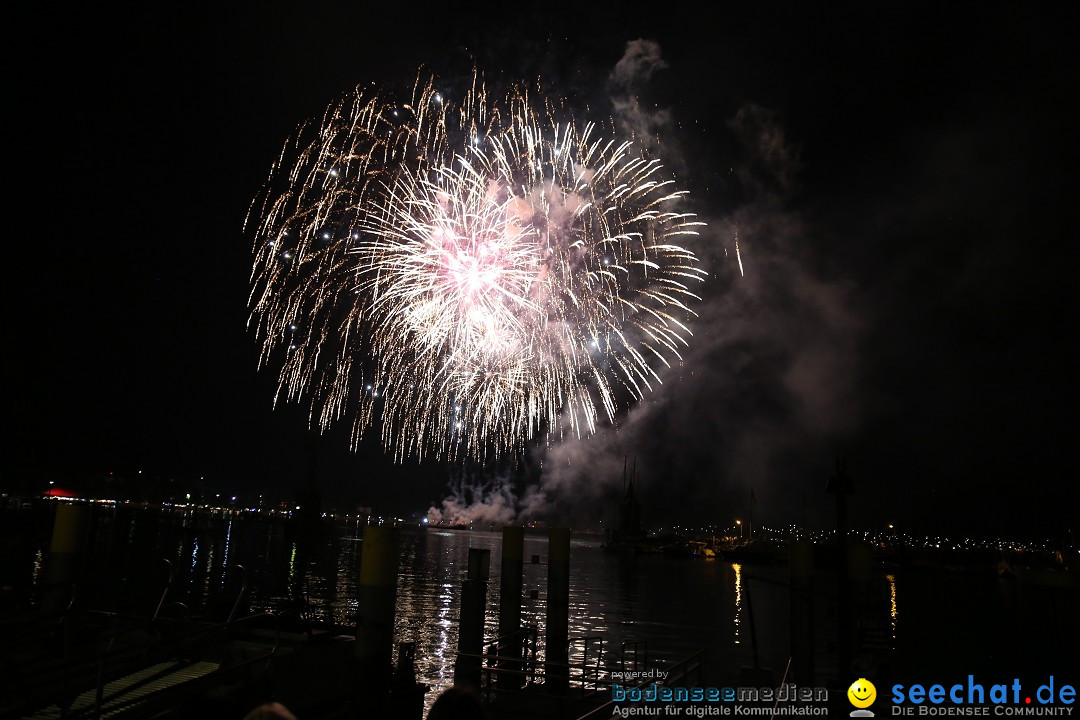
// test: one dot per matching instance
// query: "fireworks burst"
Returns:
(467, 276)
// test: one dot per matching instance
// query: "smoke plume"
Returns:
(767, 390)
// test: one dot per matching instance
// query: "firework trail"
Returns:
(467, 275)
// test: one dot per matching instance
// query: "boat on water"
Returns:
(629, 537)
(757, 552)
(705, 549)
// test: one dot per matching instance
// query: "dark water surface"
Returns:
(927, 625)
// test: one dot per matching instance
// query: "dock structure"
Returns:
(512, 645)
(573, 676)
(376, 599)
(78, 663)
(467, 668)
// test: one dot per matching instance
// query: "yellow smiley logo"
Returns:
(862, 693)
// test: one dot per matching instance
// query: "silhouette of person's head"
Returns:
(457, 703)
(270, 711)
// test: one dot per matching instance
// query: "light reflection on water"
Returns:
(675, 605)
(737, 616)
(893, 614)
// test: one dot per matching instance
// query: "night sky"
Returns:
(900, 175)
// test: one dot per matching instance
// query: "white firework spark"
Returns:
(467, 276)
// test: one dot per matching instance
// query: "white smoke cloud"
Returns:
(628, 80)
(637, 65)
(769, 382)
(773, 158)
(476, 503)
(770, 379)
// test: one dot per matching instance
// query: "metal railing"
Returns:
(510, 664)
(590, 673)
(640, 659)
(126, 645)
(677, 675)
